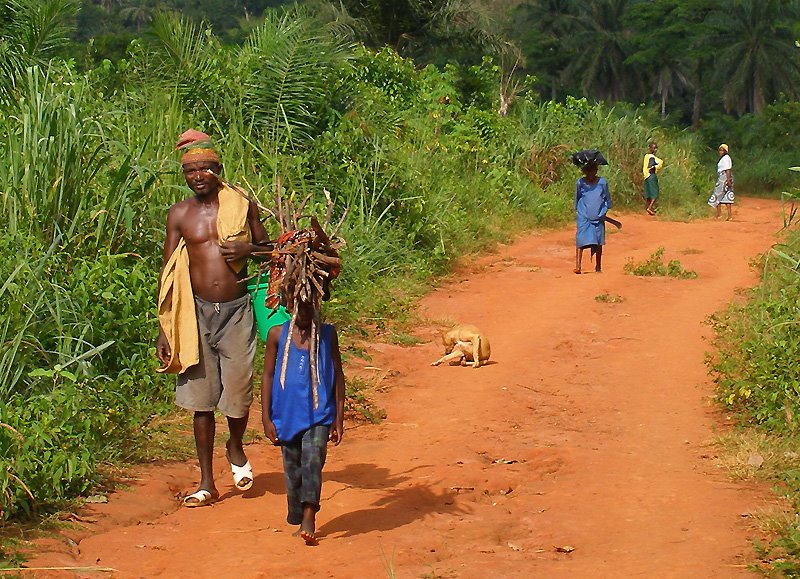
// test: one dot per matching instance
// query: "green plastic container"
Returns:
(263, 322)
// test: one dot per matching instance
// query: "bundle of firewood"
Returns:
(303, 263)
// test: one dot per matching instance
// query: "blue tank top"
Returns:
(293, 404)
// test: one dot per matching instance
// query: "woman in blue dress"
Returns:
(592, 202)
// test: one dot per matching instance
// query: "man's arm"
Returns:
(256, 227)
(270, 358)
(337, 433)
(237, 250)
(174, 216)
(163, 349)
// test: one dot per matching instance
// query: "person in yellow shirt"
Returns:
(650, 168)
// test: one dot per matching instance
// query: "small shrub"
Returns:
(654, 266)
(358, 403)
(607, 298)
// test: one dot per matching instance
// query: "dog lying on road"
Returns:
(465, 344)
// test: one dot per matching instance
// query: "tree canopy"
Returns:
(687, 58)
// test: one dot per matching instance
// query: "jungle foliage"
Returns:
(716, 66)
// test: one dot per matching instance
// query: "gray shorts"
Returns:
(224, 376)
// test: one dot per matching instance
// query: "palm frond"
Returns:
(290, 63)
(41, 26)
(187, 57)
(30, 31)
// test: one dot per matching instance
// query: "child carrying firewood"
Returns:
(291, 417)
(302, 389)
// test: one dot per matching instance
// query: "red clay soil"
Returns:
(591, 431)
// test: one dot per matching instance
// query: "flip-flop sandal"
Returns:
(200, 498)
(241, 473)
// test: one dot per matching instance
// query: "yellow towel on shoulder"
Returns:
(232, 224)
(176, 312)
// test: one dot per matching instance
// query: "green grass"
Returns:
(654, 266)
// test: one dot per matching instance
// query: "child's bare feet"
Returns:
(309, 525)
(309, 538)
(577, 270)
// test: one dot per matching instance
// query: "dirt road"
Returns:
(591, 430)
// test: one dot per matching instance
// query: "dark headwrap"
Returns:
(588, 157)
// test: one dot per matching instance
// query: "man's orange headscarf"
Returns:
(197, 146)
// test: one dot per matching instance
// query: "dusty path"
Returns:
(592, 430)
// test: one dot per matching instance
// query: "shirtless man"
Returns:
(223, 377)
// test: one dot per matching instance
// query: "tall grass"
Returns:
(45, 169)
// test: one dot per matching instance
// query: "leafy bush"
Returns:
(757, 364)
(78, 372)
(654, 266)
(762, 147)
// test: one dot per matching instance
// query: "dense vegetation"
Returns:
(687, 56)
(421, 157)
(757, 366)
(714, 65)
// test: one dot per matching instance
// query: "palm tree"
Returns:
(422, 29)
(30, 32)
(664, 48)
(185, 58)
(287, 70)
(601, 44)
(461, 26)
(672, 74)
(544, 27)
(138, 13)
(756, 58)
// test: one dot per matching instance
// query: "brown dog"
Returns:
(465, 344)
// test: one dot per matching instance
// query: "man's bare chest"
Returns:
(199, 226)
